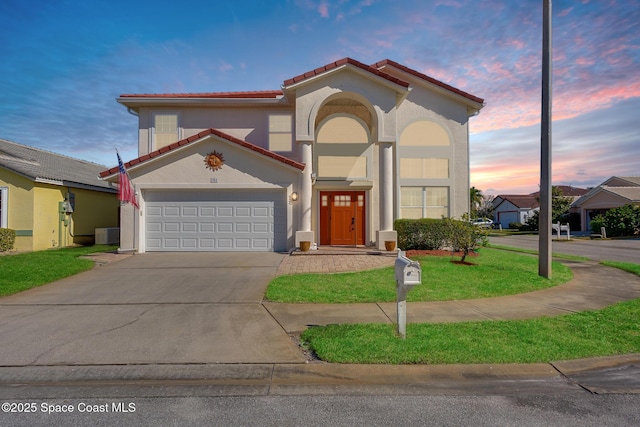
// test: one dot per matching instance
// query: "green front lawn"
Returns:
(27, 270)
(494, 273)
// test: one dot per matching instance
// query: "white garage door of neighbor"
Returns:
(215, 221)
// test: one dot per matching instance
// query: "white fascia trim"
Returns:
(142, 101)
(48, 181)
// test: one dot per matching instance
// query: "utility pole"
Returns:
(544, 226)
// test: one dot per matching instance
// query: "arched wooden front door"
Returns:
(342, 217)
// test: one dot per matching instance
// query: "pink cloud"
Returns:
(323, 9)
(585, 61)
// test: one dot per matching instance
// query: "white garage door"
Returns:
(215, 221)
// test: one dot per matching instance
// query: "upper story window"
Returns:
(280, 132)
(165, 129)
(424, 133)
(343, 149)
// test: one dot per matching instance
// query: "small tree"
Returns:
(464, 237)
(475, 201)
(486, 207)
(560, 205)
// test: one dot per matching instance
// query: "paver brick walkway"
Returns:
(335, 260)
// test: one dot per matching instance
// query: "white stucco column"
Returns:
(386, 186)
(386, 232)
(304, 232)
(305, 187)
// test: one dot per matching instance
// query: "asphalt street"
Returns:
(625, 250)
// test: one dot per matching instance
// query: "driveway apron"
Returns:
(150, 308)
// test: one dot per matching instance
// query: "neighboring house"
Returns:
(567, 191)
(512, 208)
(615, 192)
(518, 208)
(333, 158)
(52, 200)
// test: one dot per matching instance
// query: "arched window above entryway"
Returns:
(343, 148)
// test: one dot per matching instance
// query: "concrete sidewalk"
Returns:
(593, 287)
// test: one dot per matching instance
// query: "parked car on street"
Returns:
(482, 222)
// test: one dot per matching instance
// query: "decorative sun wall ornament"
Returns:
(214, 161)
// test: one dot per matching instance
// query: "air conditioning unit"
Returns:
(107, 236)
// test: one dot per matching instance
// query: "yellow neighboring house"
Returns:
(51, 200)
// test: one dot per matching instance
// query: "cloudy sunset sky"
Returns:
(63, 63)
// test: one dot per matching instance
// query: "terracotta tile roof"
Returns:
(199, 136)
(340, 63)
(257, 94)
(415, 73)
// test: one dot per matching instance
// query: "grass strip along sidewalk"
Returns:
(24, 271)
(610, 331)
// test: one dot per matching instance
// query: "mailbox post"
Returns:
(408, 274)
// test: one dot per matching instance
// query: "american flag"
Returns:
(125, 189)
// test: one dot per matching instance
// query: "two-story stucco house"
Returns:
(333, 158)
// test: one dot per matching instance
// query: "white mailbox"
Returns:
(408, 273)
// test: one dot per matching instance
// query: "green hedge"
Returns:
(622, 221)
(434, 234)
(7, 239)
(421, 234)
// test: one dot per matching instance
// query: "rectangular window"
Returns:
(3, 207)
(165, 127)
(424, 202)
(428, 168)
(280, 132)
(342, 167)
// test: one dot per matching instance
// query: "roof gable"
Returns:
(519, 201)
(599, 195)
(192, 139)
(623, 181)
(45, 166)
(345, 62)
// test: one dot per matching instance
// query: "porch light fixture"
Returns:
(293, 197)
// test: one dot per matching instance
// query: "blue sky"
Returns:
(63, 63)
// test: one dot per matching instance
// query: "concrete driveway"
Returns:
(176, 308)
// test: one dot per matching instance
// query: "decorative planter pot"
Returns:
(304, 246)
(389, 245)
